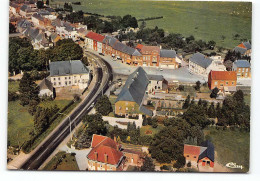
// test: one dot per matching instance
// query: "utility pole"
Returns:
(70, 124)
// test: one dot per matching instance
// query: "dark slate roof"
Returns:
(38, 16)
(247, 45)
(67, 68)
(68, 26)
(168, 53)
(146, 111)
(242, 63)
(24, 8)
(209, 152)
(50, 9)
(39, 37)
(126, 49)
(201, 60)
(31, 32)
(155, 77)
(46, 84)
(135, 87)
(23, 23)
(53, 36)
(44, 12)
(110, 40)
(239, 49)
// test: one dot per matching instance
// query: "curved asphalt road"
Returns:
(49, 145)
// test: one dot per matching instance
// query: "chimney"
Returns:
(96, 155)
(106, 157)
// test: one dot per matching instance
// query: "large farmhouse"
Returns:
(69, 73)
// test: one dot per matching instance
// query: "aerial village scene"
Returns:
(149, 86)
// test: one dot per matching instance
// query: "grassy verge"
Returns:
(231, 146)
(148, 128)
(62, 161)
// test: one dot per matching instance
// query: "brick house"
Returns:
(133, 157)
(242, 68)
(244, 48)
(150, 55)
(168, 59)
(199, 64)
(225, 81)
(108, 43)
(94, 41)
(201, 157)
(105, 155)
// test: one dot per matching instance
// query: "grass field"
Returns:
(20, 123)
(143, 129)
(218, 21)
(13, 86)
(68, 162)
(231, 146)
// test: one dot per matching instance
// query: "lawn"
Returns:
(231, 146)
(13, 86)
(218, 21)
(67, 162)
(247, 98)
(20, 123)
(143, 129)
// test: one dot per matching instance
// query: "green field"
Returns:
(68, 162)
(13, 86)
(231, 146)
(218, 21)
(20, 123)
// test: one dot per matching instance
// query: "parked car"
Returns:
(101, 54)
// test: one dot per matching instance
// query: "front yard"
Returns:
(149, 130)
(62, 161)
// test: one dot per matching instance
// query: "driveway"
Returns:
(81, 156)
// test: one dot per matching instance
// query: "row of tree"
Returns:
(23, 57)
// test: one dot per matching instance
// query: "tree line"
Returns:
(23, 57)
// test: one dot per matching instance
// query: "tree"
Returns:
(94, 124)
(60, 16)
(40, 4)
(197, 86)
(181, 87)
(211, 44)
(28, 90)
(129, 21)
(103, 105)
(180, 162)
(211, 111)
(12, 28)
(186, 102)
(148, 165)
(214, 93)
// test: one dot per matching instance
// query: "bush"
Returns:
(164, 167)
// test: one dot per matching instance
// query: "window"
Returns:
(69, 82)
(226, 82)
(188, 155)
(216, 83)
(221, 84)
(58, 78)
(54, 83)
(54, 79)
(195, 157)
(239, 70)
(65, 78)
(247, 70)
(59, 83)
(75, 81)
(159, 87)
(120, 108)
(233, 83)
(126, 108)
(65, 82)
(69, 77)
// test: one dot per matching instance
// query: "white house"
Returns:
(69, 73)
(46, 88)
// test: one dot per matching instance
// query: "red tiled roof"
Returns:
(105, 146)
(95, 36)
(96, 139)
(241, 45)
(139, 46)
(223, 75)
(192, 150)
